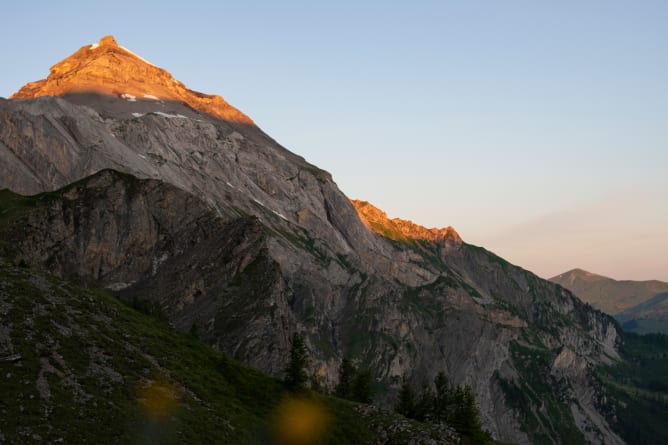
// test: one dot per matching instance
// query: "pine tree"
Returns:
(465, 415)
(406, 403)
(344, 388)
(457, 411)
(442, 397)
(425, 403)
(472, 425)
(295, 369)
(362, 386)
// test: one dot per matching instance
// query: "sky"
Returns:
(539, 130)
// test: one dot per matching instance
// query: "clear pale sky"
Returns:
(538, 130)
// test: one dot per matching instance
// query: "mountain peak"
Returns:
(578, 274)
(107, 41)
(399, 229)
(109, 69)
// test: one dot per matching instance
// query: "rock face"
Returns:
(227, 231)
(148, 240)
(401, 230)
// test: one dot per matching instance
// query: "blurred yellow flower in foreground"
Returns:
(300, 421)
(158, 397)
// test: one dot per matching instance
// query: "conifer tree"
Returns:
(406, 403)
(424, 405)
(442, 397)
(472, 425)
(362, 386)
(295, 369)
(344, 388)
(465, 415)
(457, 412)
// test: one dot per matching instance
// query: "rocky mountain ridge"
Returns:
(225, 231)
(109, 69)
(399, 229)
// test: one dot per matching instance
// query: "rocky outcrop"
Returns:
(227, 231)
(398, 229)
(153, 243)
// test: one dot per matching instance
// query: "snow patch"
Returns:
(137, 114)
(280, 214)
(259, 202)
(170, 116)
(94, 45)
(157, 262)
(129, 97)
(141, 156)
(137, 56)
(119, 286)
(150, 96)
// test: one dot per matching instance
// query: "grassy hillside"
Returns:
(78, 366)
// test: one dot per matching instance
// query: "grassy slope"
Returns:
(93, 357)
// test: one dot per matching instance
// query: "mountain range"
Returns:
(174, 200)
(639, 305)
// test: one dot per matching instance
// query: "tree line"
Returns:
(354, 383)
(443, 403)
(437, 403)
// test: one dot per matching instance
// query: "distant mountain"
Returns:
(650, 316)
(177, 202)
(609, 295)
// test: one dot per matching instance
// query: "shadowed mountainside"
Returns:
(80, 367)
(649, 316)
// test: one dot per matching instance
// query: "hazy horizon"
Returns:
(537, 131)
